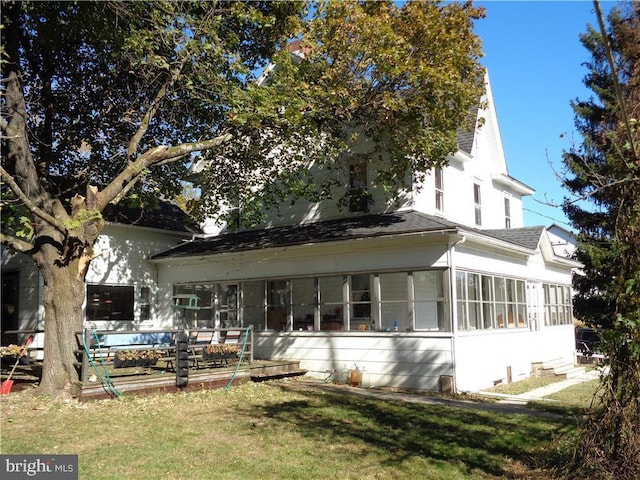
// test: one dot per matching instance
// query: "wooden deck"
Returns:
(157, 380)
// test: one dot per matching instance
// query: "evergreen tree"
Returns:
(605, 178)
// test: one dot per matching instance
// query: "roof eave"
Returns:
(496, 243)
(515, 185)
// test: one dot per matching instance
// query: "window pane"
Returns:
(460, 286)
(439, 189)
(474, 316)
(253, 294)
(428, 285)
(331, 289)
(395, 312)
(278, 305)
(205, 295)
(303, 291)
(499, 289)
(106, 302)
(331, 301)
(393, 286)
(553, 298)
(253, 304)
(487, 313)
(522, 316)
(462, 316)
(254, 316)
(473, 286)
(227, 305)
(547, 297)
(303, 294)
(520, 287)
(487, 288)
(477, 200)
(145, 303)
(358, 184)
(360, 300)
(501, 315)
(511, 291)
(427, 315)
(567, 295)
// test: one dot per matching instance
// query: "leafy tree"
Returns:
(125, 99)
(605, 171)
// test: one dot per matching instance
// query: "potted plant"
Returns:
(219, 351)
(11, 353)
(125, 358)
(147, 358)
(135, 358)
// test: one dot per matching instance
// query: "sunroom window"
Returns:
(430, 312)
(394, 305)
(487, 301)
(360, 302)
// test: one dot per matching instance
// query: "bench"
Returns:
(121, 350)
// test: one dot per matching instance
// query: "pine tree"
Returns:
(605, 178)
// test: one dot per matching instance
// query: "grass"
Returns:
(271, 431)
(522, 386)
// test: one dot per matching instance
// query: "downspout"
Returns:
(452, 307)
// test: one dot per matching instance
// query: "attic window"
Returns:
(359, 196)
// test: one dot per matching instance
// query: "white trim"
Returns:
(515, 185)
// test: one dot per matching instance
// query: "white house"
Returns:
(562, 240)
(446, 290)
(120, 281)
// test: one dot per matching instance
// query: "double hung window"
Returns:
(358, 188)
(439, 189)
(477, 204)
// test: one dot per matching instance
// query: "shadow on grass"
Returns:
(472, 440)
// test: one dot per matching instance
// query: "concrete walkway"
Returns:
(540, 394)
(510, 404)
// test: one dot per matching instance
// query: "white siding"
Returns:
(483, 358)
(400, 360)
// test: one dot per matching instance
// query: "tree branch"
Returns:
(16, 243)
(33, 208)
(132, 148)
(162, 155)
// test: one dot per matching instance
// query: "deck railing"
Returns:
(100, 347)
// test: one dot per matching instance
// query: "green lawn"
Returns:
(522, 386)
(269, 431)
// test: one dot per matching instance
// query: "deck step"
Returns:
(262, 377)
(275, 370)
(569, 371)
(557, 367)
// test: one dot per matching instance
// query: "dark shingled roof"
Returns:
(164, 216)
(527, 237)
(465, 137)
(326, 231)
(367, 226)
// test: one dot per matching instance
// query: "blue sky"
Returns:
(534, 58)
